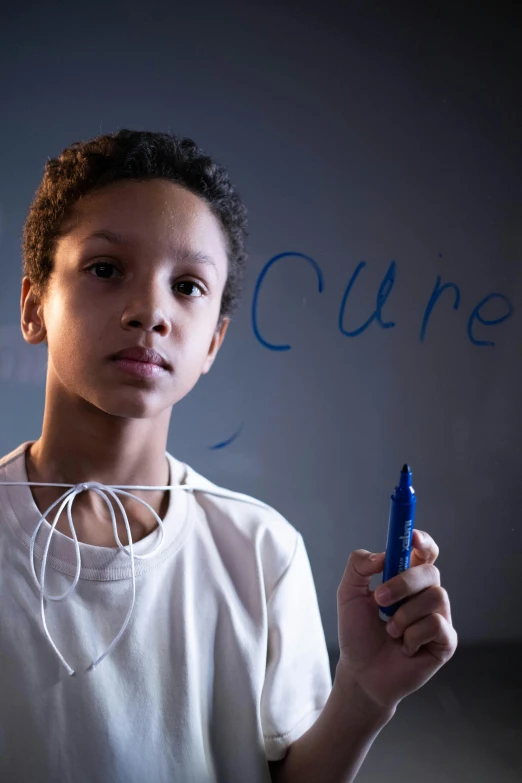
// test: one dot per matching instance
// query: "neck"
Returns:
(80, 443)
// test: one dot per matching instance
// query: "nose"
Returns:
(147, 311)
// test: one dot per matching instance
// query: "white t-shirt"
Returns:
(222, 666)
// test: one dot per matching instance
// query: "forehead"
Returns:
(154, 212)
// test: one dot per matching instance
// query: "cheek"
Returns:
(72, 328)
(194, 346)
(194, 350)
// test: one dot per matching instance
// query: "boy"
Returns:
(191, 624)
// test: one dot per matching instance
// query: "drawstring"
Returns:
(67, 500)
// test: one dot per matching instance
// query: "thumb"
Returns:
(360, 568)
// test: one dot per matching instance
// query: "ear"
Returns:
(215, 345)
(33, 326)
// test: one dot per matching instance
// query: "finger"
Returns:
(407, 583)
(433, 600)
(360, 568)
(424, 549)
(434, 631)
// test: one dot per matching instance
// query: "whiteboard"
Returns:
(380, 321)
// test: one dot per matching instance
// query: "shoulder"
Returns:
(16, 455)
(251, 515)
(247, 519)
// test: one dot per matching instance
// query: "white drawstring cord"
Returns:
(67, 500)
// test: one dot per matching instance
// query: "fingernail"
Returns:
(423, 539)
(383, 595)
(392, 629)
(373, 557)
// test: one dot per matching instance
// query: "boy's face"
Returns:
(160, 289)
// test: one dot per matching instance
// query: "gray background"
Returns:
(354, 131)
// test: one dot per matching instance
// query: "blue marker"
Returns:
(400, 529)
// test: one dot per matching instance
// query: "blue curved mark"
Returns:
(260, 279)
(227, 442)
(476, 315)
(437, 291)
(382, 295)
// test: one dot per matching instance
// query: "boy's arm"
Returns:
(378, 665)
(333, 749)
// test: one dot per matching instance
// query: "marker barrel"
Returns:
(400, 529)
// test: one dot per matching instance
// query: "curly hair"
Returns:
(89, 166)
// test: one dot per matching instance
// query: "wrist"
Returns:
(356, 698)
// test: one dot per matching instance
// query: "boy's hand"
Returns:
(390, 660)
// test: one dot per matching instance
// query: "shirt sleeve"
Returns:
(297, 680)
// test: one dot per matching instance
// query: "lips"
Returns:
(145, 355)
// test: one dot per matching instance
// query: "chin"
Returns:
(135, 405)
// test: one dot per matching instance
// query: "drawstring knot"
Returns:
(66, 501)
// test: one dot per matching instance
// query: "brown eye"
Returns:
(102, 270)
(189, 288)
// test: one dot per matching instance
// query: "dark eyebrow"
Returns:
(196, 256)
(110, 236)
